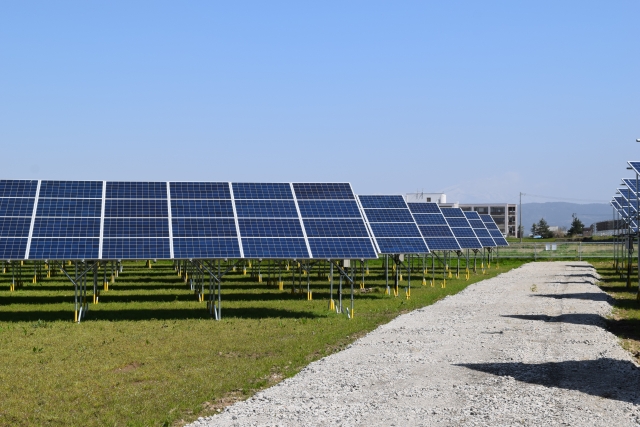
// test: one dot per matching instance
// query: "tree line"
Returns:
(541, 228)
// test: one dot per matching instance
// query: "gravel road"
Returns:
(527, 347)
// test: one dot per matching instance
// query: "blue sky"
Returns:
(481, 100)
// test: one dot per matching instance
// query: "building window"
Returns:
(497, 210)
(428, 199)
(481, 210)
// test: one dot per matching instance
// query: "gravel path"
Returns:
(527, 347)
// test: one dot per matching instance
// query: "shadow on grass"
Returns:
(608, 378)
(157, 314)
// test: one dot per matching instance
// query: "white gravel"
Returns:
(503, 352)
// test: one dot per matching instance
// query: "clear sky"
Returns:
(481, 100)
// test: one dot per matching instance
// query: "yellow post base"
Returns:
(35, 279)
(466, 276)
(244, 271)
(424, 282)
(361, 285)
(281, 286)
(432, 283)
(449, 275)
(457, 275)
(233, 269)
(106, 286)
(401, 277)
(309, 296)
(249, 264)
(12, 287)
(287, 267)
(395, 292)
(352, 314)
(366, 271)
(75, 316)
(259, 278)
(386, 291)
(332, 304)
(95, 301)
(444, 283)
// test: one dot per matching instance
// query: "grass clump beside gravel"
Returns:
(149, 354)
(625, 317)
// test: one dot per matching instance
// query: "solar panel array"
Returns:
(461, 229)
(480, 229)
(392, 225)
(434, 227)
(180, 220)
(495, 232)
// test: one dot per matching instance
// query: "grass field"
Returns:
(625, 318)
(149, 354)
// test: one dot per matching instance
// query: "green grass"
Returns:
(625, 318)
(149, 354)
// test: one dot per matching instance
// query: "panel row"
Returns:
(203, 248)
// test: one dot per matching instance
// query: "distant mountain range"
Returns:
(559, 213)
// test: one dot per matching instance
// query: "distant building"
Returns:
(504, 214)
(439, 198)
(607, 228)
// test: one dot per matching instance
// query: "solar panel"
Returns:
(461, 228)
(635, 166)
(18, 188)
(341, 237)
(480, 229)
(164, 220)
(433, 226)
(392, 225)
(495, 232)
(631, 183)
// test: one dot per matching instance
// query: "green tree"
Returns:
(577, 227)
(542, 228)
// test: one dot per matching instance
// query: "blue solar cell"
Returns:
(136, 190)
(270, 227)
(16, 207)
(335, 228)
(71, 189)
(469, 243)
(12, 248)
(342, 248)
(201, 208)
(66, 227)
(442, 243)
(152, 248)
(435, 231)
(495, 233)
(472, 215)
(217, 248)
(477, 223)
(425, 208)
(251, 190)
(266, 209)
(279, 248)
(463, 232)
(457, 222)
(388, 215)
(401, 246)
(328, 209)
(204, 227)
(500, 241)
(136, 227)
(333, 191)
(384, 229)
(482, 232)
(382, 202)
(487, 242)
(69, 207)
(452, 212)
(200, 190)
(430, 219)
(18, 188)
(15, 227)
(64, 249)
(635, 166)
(123, 208)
